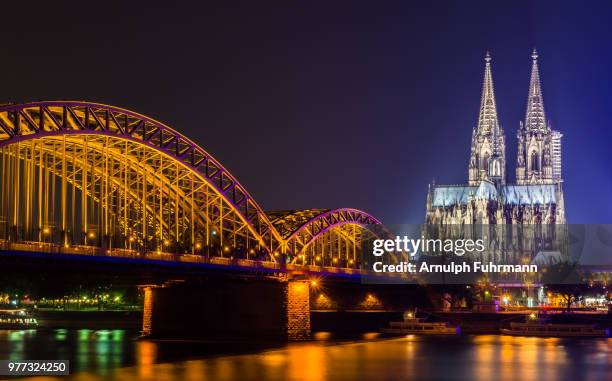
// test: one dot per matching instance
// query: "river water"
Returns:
(117, 355)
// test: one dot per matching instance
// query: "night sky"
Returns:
(333, 104)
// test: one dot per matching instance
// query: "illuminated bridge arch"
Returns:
(326, 237)
(76, 173)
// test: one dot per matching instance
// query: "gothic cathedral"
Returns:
(487, 198)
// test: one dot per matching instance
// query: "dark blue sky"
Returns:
(333, 104)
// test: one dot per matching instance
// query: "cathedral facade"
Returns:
(488, 198)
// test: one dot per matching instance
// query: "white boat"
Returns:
(542, 327)
(16, 319)
(414, 325)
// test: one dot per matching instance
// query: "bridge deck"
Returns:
(185, 259)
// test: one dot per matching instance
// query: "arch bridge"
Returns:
(89, 178)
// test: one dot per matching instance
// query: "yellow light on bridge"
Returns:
(87, 201)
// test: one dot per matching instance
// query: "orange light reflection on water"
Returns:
(413, 357)
(518, 358)
(146, 354)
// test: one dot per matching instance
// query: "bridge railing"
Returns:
(51, 248)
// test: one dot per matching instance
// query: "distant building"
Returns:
(556, 155)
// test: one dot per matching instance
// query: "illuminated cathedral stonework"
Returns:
(487, 198)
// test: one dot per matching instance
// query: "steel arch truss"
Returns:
(324, 237)
(85, 174)
(137, 151)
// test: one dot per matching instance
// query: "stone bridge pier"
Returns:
(271, 309)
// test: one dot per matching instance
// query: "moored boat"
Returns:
(540, 326)
(16, 319)
(414, 325)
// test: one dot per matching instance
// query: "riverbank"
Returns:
(351, 322)
(130, 320)
(343, 323)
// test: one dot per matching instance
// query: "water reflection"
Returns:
(87, 350)
(115, 355)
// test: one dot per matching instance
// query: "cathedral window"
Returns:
(535, 161)
(485, 162)
(496, 168)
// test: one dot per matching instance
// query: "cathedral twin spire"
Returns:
(535, 118)
(539, 148)
(487, 119)
(487, 159)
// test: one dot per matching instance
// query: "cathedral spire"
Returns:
(487, 119)
(535, 119)
(539, 147)
(487, 155)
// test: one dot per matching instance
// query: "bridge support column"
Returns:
(298, 309)
(271, 309)
(147, 311)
